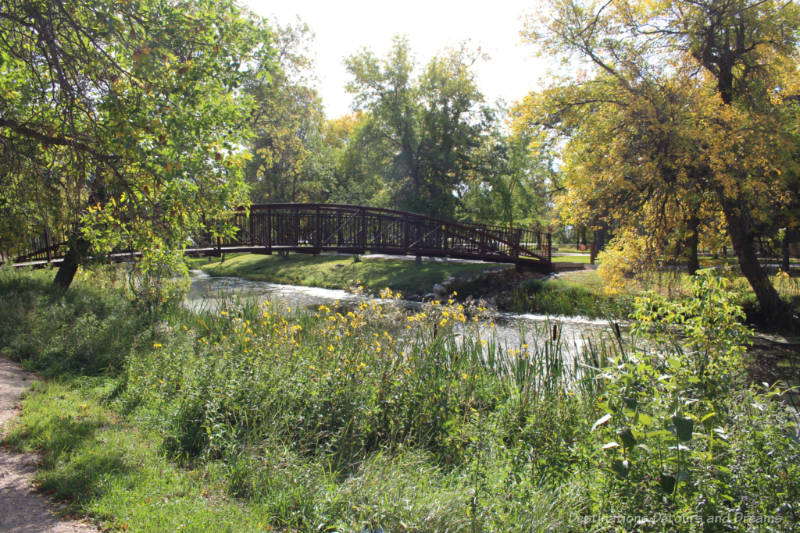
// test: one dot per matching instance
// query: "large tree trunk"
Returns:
(78, 249)
(741, 232)
(692, 240)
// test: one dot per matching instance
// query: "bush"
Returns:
(626, 256)
(676, 426)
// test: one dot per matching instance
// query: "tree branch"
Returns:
(52, 140)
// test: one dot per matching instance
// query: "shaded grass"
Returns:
(342, 272)
(55, 332)
(99, 465)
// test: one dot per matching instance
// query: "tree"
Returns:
(511, 181)
(288, 124)
(360, 157)
(121, 123)
(426, 128)
(630, 159)
(736, 60)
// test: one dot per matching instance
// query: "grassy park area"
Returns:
(441, 396)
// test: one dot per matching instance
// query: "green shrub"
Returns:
(680, 434)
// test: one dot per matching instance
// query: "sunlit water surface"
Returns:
(511, 330)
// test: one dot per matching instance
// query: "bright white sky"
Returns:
(343, 27)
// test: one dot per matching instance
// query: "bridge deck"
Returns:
(316, 228)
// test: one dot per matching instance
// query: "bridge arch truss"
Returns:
(317, 228)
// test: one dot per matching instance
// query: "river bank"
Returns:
(346, 272)
(775, 354)
(578, 293)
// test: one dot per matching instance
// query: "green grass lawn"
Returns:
(341, 271)
(99, 464)
(568, 248)
(584, 259)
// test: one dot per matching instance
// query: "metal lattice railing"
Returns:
(314, 228)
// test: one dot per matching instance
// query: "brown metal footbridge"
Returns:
(317, 228)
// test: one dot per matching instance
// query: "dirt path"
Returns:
(22, 509)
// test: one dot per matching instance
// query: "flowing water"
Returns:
(511, 329)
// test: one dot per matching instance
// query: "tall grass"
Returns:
(373, 417)
(568, 297)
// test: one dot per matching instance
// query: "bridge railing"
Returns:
(319, 227)
(351, 229)
(44, 246)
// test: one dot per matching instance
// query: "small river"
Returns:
(777, 355)
(511, 329)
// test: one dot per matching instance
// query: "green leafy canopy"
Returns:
(122, 122)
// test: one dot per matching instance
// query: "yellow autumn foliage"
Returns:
(629, 255)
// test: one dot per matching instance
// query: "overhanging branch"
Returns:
(53, 140)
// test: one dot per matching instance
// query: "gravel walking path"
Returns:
(22, 509)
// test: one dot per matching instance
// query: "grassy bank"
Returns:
(586, 293)
(575, 293)
(101, 465)
(579, 294)
(342, 272)
(371, 419)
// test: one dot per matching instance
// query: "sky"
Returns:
(343, 27)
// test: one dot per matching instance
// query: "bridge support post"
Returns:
(405, 232)
(363, 237)
(251, 225)
(269, 230)
(48, 242)
(297, 226)
(317, 231)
